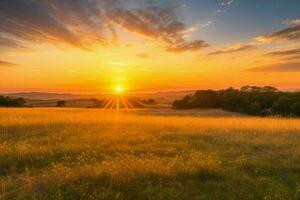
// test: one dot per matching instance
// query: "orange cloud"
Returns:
(285, 53)
(291, 54)
(277, 67)
(6, 64)
(234, 49)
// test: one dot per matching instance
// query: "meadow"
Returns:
(72, 153)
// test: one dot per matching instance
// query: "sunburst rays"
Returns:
(117, 102)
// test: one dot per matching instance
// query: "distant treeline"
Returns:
(249, 99)
(11, 102)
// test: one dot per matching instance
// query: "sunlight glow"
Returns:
(119, 89)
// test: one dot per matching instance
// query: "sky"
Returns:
(95, 46)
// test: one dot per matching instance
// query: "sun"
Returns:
(119, 89)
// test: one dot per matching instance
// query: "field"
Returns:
(96, 154)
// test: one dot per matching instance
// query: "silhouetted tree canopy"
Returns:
(97, 103)
(11, 102)
(61, 104)
(151, 101)
(251, 100)
(295, 108)
(148, 101)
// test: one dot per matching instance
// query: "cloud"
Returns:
(293, 22)
(6, 64)
(290, 33)
(157, 23)
(285, 53)
(188, 46)
(85, 23)
(32, 20)
(297, 57)
(234, 49)
(278, 67)
(291, 54)
(11, 44)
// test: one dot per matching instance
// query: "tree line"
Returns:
(250, 100)
(11, 102)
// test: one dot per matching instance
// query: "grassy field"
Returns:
(95, 154)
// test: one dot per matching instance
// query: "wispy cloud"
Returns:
(277, 67)
(291, 54)
(234, 49)
(7, 43)
(7, 64)
(296, 57)
(285, 53)
(85, 23)
(187, 46)
(33, 21)
(292, 22)
(157, 23)
(290, 33)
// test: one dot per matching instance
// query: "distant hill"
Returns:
(48, 96)
(167, 95)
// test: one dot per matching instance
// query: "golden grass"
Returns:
(96, 154)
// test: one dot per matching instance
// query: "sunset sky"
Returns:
(94, 46)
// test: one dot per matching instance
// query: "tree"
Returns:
(295, 109)
(254, 108)
(249, 99)
(182, 103)
(97, 103)
(11, 102)
(269, 89)
(282, 106)
(205, 99)
(61, 104)
(230, 99)
(151, 101)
